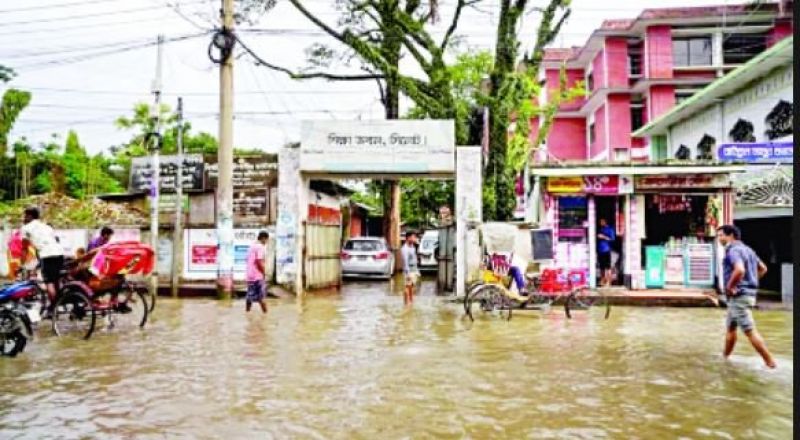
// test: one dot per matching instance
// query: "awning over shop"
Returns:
(633, 170)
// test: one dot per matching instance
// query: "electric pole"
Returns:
(177, 235)
(155, 145)
(225, 159)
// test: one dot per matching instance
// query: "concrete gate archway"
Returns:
(371, 149)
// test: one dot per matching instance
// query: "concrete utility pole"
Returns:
(225, 163)
(177, 236)
(155, 144)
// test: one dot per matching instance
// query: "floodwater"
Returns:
(361, 365)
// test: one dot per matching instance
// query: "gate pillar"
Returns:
(292, 210)
(469, 212)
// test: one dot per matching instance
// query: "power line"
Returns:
(79, 58)
(81, 26)
(30, 54)
(185, 93)
(84, 16)
(55, 6)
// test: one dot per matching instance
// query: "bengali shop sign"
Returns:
(588, 185)
(755, 152)
(682, 181)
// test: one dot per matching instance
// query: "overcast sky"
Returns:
(68, 54)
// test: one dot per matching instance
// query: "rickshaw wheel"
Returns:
(582, 298)
(489, 298)
(73, 314)
(131, 310)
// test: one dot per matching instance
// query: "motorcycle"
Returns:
(19, 311)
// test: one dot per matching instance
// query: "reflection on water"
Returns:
(361, 365)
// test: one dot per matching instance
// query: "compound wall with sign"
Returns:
(349, 149)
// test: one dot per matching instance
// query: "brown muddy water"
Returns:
(360, 365)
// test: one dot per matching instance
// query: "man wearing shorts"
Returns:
(410, 266)
(256, 273)
(741, 271)
(43, 239)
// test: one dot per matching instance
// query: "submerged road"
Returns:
(361, 365)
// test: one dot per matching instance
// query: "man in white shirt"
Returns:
(50, 253)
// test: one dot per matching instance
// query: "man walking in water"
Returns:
(741, 271)
(410, 267)
(257, 273)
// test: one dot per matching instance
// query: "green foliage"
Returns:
(466, 75)
(6, 74)
(14, 101)
(422, 198)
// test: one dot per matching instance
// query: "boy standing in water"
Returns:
(257, 273)
(410, 267)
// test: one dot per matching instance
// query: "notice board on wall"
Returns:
(542, 244)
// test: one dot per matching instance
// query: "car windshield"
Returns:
(364, 245)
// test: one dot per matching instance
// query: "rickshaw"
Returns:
(492, 292)
(96, 286)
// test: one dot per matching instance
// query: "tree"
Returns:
(6, 74)
(14, 101)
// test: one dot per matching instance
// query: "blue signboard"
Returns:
(755, 152)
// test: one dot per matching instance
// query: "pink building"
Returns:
(591, 174)
(636, 70)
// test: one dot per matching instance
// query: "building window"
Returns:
(780, 120)
(740, 48)
(684, 94)
(590, 81)
(691, 51)
(637, 116)
(683, 153)
(592, 135)
(635, 58)
(659, 148)
(704, 147)
(742, 131)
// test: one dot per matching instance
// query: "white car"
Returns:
(367, 257)
(427, 250)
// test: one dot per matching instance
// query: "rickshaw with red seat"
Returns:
(96, 286)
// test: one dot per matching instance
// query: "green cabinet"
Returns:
(654, 266)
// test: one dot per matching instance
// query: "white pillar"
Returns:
(592, 242)
(628, 245)
(469, 208)
(287, 260)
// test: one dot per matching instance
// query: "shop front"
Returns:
(680, 216)
(654, 226)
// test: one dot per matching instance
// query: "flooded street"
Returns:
(361, 365)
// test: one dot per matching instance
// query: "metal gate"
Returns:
(321, 261)
(445, 257)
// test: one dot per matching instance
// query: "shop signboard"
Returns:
(757, 152)
(252, 177)
(251, 203)
(682, 181)
(249, 172)
(142, 172)
(397, 146)
(202, 250)
(609, 185)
